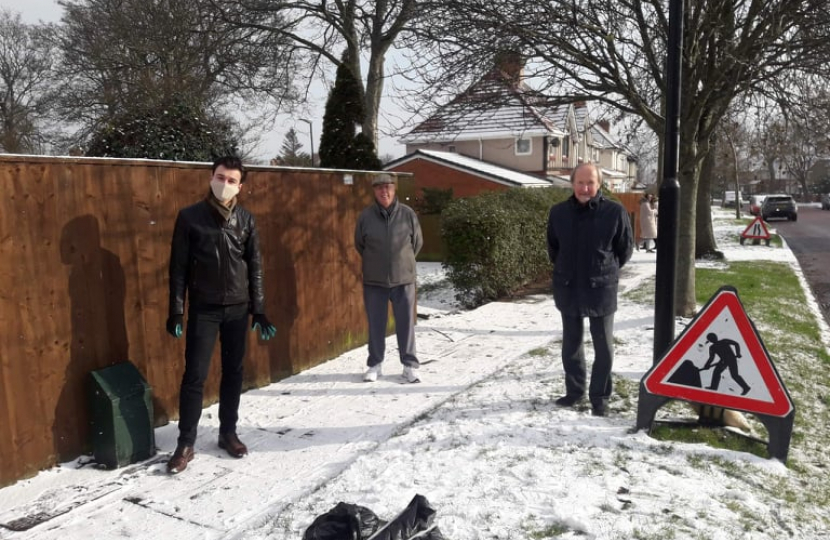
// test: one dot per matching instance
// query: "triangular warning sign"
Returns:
(756, 229)
(720, 360)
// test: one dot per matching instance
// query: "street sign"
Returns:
(757, 230)
(720, 360)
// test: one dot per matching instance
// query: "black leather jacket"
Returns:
(216, 262)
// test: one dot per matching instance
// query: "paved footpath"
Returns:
(302, 432)
(321, 420)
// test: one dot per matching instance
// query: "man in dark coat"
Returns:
(589, 239)
(215, 262)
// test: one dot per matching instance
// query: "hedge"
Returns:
(496, 242)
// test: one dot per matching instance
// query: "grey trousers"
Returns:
(376, 300)
(573, 357)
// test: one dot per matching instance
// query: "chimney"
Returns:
(511, 64)
(605, 125)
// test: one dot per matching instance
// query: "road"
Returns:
(809, 239)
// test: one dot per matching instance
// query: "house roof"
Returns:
(494, 106)
(480, 168)
(603, 139)
(610, 173)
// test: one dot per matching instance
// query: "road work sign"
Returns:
(757, 231)
(720, 360)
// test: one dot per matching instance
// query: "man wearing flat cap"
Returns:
(388, 237)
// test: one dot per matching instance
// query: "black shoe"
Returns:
(230, 443)
(568, 401)
(181, 457)
(599, 411)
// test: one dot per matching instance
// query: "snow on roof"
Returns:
(603, 139)
(612, 173)
(491, 107)
(491, 171)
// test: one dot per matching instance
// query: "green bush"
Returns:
(496, 242)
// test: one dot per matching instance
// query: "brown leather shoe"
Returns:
(181, 457)
(231, 443)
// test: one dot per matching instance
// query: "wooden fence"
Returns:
(84, 251)
(631, 202)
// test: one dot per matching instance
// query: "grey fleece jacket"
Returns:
(388, 241)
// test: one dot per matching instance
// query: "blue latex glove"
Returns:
(261, 323)
(174, 325)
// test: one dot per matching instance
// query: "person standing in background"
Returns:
(648, 222)
(388, 238)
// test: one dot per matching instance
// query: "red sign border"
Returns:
(725, 298)
(765, 236)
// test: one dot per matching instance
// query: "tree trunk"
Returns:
(735, 178)
(374, 92)
(705, 245)
(685, 302)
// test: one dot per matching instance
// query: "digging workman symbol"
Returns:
(723, 349)
(720, 360)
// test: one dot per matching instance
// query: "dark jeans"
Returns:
(573, 357)
(376, 300)
(204, 323)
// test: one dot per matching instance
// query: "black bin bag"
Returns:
(352, 522)
(344, 522)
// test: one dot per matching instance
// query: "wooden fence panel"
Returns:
(631, 202)
(84, 251)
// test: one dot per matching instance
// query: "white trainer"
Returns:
(411, 374)
(373, 373)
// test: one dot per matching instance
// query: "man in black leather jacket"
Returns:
(215, 259)
(589, 239)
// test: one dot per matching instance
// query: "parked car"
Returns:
(730, 200)
(755, 203)
(825, 201)
(779, 206)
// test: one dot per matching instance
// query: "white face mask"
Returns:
(223, 191)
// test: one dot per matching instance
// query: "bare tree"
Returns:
(800, 132)
(25, 84)
(613, 52)
(364, 28)
(121, 53)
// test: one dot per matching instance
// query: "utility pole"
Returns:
(311, 137)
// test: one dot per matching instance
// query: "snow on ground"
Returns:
(479, 437)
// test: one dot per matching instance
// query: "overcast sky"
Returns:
(33, 11)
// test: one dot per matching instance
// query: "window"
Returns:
(451, 148)
(523, 146)
(566, 143)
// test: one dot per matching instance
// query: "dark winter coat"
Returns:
(216, 262)
(588, 244)
(388, 241)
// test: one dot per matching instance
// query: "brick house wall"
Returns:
(435, 176)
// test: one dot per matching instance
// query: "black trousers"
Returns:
(204, 323)
(573, 357)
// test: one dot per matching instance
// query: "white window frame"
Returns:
(529, 146)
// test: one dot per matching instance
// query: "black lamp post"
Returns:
(664, 295)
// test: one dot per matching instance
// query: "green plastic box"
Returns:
(121, 406)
